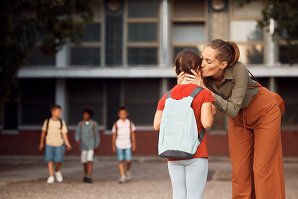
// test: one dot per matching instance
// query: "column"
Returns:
(270, 55)
(62, 61)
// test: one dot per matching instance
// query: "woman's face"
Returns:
(211, 66)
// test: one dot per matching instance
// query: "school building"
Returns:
(126, 58)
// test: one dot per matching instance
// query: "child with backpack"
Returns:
(124, 143)
(53, 138)
(88, 138)
(182, 116)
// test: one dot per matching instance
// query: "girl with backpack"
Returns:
(189, 173)
(254, 121)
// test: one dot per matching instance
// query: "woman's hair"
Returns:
(226, 51)
(186, 60)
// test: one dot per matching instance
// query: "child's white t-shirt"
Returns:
(123, 140)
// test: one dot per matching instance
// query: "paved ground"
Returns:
(25, 177)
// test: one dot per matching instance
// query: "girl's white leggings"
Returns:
(188, 177)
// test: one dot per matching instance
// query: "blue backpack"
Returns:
(178, 134)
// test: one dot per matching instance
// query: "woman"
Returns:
(254, 121)
(188, 177)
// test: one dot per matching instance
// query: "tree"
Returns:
(285, 15)
(49, 24)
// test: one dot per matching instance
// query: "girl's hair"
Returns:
(88, 110)
(186, 60)
(226, 51)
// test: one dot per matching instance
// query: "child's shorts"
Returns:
(54, 154)
(124, 154)
(87, 156)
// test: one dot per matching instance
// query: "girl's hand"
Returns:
(195, 79)
(180, 77)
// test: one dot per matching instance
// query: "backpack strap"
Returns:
(196, 92)
(169, 94)
(201, 135)
(193, 95)
(47, 126)
(116, 129)
(61, 125)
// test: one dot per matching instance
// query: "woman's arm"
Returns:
(232, 105)
(157, 120)
(207, 117)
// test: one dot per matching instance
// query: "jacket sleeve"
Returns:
(77, 133)
(97, 137)
(232, 105)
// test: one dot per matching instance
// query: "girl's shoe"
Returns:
(51, 180)
(122, 179)
(128, 175)
(59, 177)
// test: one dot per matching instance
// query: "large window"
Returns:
(88, 52)
(36, 97)
(142, 21)
(37, 58)
(245, 32)
(85, 93)
(189, 29)
(139, 96)
(285, 89)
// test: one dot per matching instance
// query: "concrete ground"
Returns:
(25, 177)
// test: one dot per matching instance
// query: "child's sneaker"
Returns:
(128, 175)
(89, 180)
(51, 180)
(122, 179)
(59, 177)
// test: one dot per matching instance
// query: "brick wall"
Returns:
(27, 142)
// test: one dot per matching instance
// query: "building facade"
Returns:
(126, 58)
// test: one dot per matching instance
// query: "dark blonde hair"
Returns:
(226, 51)
(186, 61)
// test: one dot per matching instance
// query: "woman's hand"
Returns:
(195, 78)
(180, 77)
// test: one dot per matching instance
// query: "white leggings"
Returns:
(188, 177)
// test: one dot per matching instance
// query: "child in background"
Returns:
(54, 135)
(124, 143)
(88, 138)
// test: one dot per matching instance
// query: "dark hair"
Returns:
(54, 107)
(226, 51)
(88, 110)
(186, 60)
(122, 108)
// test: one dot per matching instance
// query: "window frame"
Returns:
(187, 20)
(97, 18)
(149, 44)
(232, 18)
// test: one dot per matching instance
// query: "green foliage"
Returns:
(46, 23)
(285, 15)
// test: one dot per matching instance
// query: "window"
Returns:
(189, 28)
(245, 32)
(114, 28)
(37, 95)
(285, 56)
(37, 58)
(142, 32)
(285, 89)
(82, 93)
(88, 52)
(138, 96)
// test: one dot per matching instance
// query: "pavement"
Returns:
(25, 177)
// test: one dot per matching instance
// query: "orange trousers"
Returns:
(256, 150)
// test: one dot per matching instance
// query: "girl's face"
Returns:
(211, 66)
